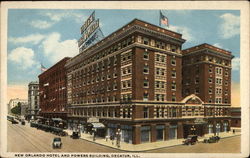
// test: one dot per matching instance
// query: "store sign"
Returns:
(88, 22)
(93, 119)
(88, 32)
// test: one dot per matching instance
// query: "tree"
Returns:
(17, 109)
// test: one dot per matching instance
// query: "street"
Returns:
(26, 139)
(226, 145)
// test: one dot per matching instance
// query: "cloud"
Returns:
(218, 45)
(22, 56)
(57, 16)
(230, 25)
(33, 38)
(17, 91)
(55, 49)
(235, 95)
(41, 24)
(186, 32)
(236, 64)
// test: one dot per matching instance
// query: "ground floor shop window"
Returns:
(145, 134)
(126, 133)
(217, 128)
(160, 132)
(225, 126)
(173, 132)
(210, 128)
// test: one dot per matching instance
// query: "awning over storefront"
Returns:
(97, 125)
(56, 119)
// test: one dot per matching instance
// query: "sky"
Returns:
(45, 36)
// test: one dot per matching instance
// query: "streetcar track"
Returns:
(26, 138)
(40, 143)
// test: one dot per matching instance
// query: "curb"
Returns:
(146, 149)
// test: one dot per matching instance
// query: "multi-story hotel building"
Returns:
(53, 91)
(33, 98)
(132, 81)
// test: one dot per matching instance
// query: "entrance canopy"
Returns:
(97, 125)
(192, 99)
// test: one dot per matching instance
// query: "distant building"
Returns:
(236, 117)
(33, 98)
(14, 102)
(24, 109)
(53, 92)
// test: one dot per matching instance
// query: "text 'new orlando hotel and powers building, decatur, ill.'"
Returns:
(140, 81)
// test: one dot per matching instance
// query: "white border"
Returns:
(243, 6)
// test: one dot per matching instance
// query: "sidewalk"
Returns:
(146, 146)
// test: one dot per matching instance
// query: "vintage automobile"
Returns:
(213, 139)
(22, 122)
(14, 121)
(57, 143)
(75, 135)
(191, 140)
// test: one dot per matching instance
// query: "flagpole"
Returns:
(160, 18)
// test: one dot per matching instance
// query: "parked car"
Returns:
(191, 140)
(57, 143)
(75, 135)
(213, 139)
(14, 121)
(22, 122)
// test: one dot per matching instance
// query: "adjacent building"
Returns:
(236, 117)
(33, 99)
(14, 102)
(53, 90)
(138, 80)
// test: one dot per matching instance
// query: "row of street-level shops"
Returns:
(137, 132)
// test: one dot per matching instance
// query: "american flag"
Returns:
(43, 68)
(163, 20)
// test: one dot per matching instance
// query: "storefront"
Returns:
(210, 129)
(111, 130)
(145, 134)
(126, 133)
(225, 125)
(173, 132)
(160, 132)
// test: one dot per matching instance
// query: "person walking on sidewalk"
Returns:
(118, 138)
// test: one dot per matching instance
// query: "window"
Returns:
(157, 71)
(197, 90)
(157, 97)
(210, 80)
(210, 70)
(196, 80)
(124, 84)
(146, 69)
(145, 83)
(157, 57)
(210, 91)
(146, 55)
(129, 83)
(173, 86)
(157, 84)
(162, 72)
(145, 112)
(162, 97)
(115, 86)
(145, 96)
(173, 62)
(173, 74)
(145, 41)
(163, 58)
(173, 98)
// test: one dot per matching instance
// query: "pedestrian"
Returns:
(107, 137)
(112, 139)
(233, 131)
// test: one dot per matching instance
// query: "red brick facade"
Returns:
(53, 91)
